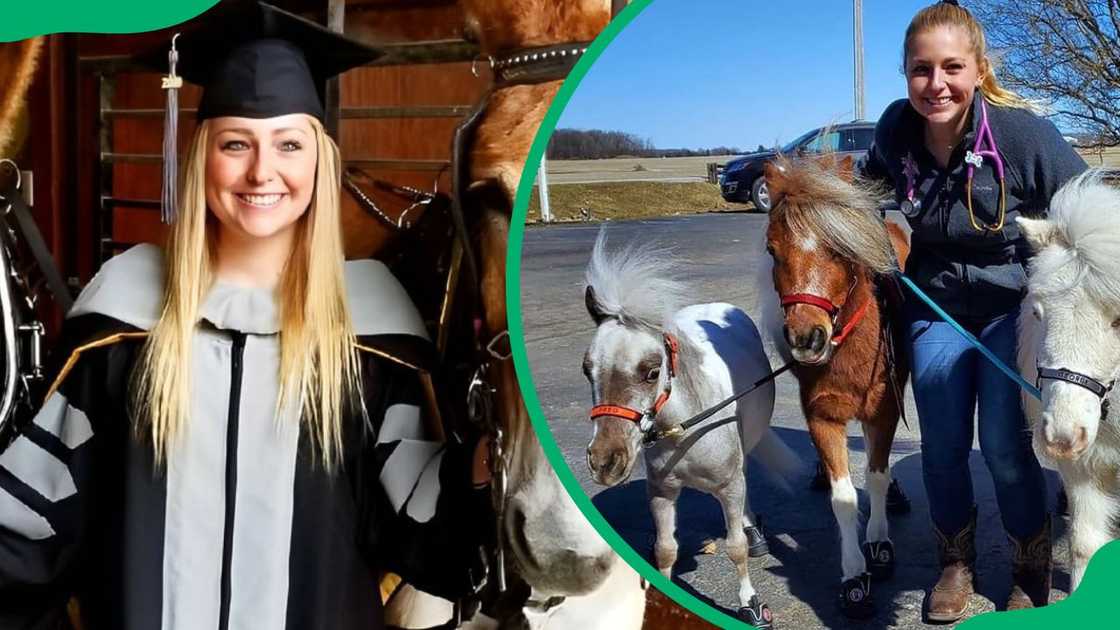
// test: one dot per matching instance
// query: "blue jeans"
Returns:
(951, 379)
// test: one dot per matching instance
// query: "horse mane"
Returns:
(1086, 214)
(814, 200)
(638, 285)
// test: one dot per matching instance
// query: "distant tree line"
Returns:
(592, 144)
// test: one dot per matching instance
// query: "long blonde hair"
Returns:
(947, 14)
(319, 365)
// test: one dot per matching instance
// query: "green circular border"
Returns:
(1083, 607)
(25, 19)
(517, 333)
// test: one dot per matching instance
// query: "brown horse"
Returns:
(833, 263)
(551, 547)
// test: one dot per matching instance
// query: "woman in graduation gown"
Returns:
(235, 437)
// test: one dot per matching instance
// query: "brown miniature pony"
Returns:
(834, 260)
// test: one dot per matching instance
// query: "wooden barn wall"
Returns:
(117, 154)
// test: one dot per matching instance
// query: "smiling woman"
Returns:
(961, 193)
(236, 437)
(260, 174)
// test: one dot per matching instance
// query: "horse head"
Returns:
(825, 237)
(628, 368)
(1070, 321)
(630, 363)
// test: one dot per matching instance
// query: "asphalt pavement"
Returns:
(799, 580)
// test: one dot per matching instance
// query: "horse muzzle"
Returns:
(610, 458)
(1062, 440)
(810, 347)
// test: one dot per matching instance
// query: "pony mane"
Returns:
(814, 200)
(1086, 215)
(638, 285)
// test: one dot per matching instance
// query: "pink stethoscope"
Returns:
(975, 160)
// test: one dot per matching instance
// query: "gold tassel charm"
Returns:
(169, 200)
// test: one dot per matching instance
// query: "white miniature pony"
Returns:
(1069, 330)
(652, 365)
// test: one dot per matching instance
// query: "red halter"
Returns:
(839, 334)
(672, 349)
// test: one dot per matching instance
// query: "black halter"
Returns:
(1098, 388)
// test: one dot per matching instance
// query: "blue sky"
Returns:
(705, 73)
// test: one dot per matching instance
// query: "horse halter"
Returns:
(643, 419)
(839, 333)
(1099, 389)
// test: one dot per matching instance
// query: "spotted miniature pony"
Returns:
(831, 256)
(1069, 344)
(653, 364)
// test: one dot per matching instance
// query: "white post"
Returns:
(542, 190)
(857, 10)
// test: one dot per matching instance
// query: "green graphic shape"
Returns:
(1083, 609)
(27, 19)
(1087, 606)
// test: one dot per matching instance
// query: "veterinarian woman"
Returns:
(235, 436)
(964, 157)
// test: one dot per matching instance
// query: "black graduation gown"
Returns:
(243, 528)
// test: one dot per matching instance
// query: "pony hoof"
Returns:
(897, 502)
(757, 546)
(880, 559)
(757, 614)
(855, 597)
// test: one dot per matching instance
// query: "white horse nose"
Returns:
(1063, 442)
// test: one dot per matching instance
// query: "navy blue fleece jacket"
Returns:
(973, 275)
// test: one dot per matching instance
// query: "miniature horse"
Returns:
(653, 364)
(1068, 332)
(832, 263)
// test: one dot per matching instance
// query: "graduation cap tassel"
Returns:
(169, 201)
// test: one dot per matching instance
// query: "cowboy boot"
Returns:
(948, 600)
(1031, 562)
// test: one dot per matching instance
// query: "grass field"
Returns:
(681, 169)
(1105, 157)
(626, 188)
(630, 200)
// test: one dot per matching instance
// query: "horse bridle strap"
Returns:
(839, 334)
(824, 304)
(1099, 389)
(672, 350)
(655, 435)
(537, 65)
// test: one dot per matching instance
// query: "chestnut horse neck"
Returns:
(501, 26)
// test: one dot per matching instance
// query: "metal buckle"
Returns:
(493, 342)
(474, 64)
(479, 392)
(19, 181)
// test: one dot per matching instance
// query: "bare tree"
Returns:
(1065, 53)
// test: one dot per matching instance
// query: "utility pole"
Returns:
(857, 10)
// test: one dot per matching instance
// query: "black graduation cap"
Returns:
(252, 60)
